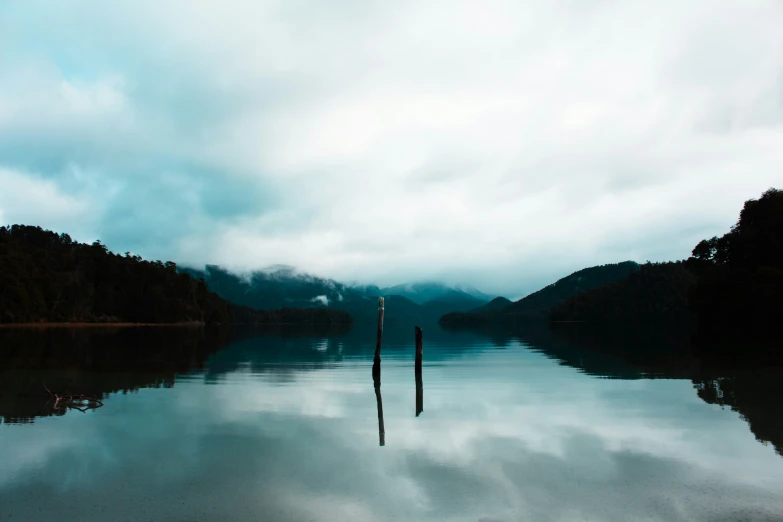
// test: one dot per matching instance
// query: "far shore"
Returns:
(95, 325)
(160, 325)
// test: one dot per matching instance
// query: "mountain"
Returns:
(475, 292)
(421, 293)
(497, 303)
(728, 292)
(656, 292)
(537, 305)
(276, 287)
(284, 287)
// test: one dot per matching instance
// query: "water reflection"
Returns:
(93, 362)
(280, 427)
(650, 352)
(376, 379)
(417, 371)
(754, 394)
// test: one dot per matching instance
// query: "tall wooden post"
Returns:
(376, 374)
(419, 385)
(380, 329)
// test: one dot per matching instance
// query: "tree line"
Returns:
(729, 289)
(48, 277)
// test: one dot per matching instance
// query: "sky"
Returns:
(491, 143)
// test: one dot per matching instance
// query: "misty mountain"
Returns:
(421, 293)
(276, 287)
(283, 287)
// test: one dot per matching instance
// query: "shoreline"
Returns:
(160, 325)
(97, 325)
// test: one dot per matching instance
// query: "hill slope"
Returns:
(537, 305)
(45, 276)
(497, 303)
(656, 292)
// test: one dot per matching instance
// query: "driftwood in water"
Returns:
(78, 401)
(419, 386)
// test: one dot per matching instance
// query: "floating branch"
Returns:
(78, 401)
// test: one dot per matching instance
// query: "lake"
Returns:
(284, 426)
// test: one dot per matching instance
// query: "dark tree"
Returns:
(47, 277)
(738, 294)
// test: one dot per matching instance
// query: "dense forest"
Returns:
(740, 277)
(47, 277)
(727, 294)
(729, 290)
(537, 305)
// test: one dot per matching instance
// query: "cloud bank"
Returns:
(499, 144)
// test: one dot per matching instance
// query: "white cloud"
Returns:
(320, 299)
(493, 142)
(26, 199)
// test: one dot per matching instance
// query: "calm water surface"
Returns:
(286, 427)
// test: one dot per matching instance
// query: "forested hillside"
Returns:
(537, 305)
(657, 291)
(729, 290)
(48, 277)
(740, 286)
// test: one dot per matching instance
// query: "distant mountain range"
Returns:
(284, 287)
(421, 293)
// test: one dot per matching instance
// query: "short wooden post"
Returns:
(376, 377)
(419, 385)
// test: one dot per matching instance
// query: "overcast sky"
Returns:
(499, 144)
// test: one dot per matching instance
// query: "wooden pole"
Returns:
(376, 374)
(380, 329)
(419, 385)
